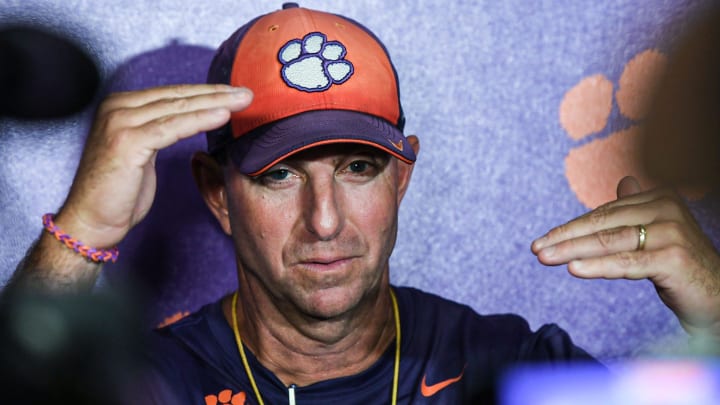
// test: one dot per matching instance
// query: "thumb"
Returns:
(628, 186)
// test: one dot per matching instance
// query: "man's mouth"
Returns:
(326, 263)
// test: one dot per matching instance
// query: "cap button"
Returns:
(290, 5)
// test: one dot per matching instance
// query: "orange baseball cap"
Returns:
(317, 78)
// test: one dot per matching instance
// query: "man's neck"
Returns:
(303, 351)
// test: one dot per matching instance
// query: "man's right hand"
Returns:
(115, 183)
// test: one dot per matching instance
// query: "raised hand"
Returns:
(115, 183)
(675, 255)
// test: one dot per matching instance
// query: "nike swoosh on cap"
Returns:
(398, 145)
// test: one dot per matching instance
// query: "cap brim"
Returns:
(264, 147)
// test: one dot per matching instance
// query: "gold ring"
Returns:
(642, 237)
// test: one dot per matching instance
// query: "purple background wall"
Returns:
(482, 84)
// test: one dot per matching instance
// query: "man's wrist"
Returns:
(98, 255)
(81, 228)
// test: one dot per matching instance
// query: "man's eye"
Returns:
(359, 166)
(278, 175)
(277, 178)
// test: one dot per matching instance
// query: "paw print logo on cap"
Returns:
(314, 63)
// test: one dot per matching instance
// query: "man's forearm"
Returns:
(51, 266)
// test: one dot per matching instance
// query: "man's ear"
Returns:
(405, 170)
(209, 178)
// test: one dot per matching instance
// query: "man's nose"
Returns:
(323, 212)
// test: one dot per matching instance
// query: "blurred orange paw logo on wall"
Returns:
(226, 397)
(594, 167)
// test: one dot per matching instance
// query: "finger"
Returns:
(141, 97)
(627, 187)
(129, 117)
(637, 198)
(600, 219)
(635, 265)
(602, 243)
(167, 130)
(666, 207)
(658, 235)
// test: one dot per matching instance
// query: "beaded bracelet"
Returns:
(95, 255)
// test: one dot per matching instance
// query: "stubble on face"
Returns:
(287, 260)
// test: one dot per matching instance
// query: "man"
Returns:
(307, 179)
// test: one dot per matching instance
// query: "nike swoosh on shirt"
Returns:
(430, 390)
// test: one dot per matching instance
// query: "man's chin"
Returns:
(332, 304)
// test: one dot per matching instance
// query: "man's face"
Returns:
(315, 232)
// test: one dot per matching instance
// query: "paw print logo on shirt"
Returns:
(226, 397)
(313, 63)
(601, 159)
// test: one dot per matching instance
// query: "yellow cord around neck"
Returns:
(396, 370)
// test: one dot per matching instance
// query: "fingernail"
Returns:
(548, 251)
(242, 94)
(576, 265)
(218, 111)
(539, 243)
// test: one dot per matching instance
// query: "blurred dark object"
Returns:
(682, 139)
(67, 349)
(43, 75)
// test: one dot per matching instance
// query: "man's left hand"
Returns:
(677, 256)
